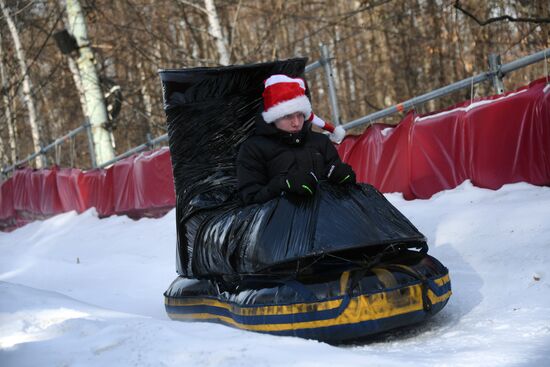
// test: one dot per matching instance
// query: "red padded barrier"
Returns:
(44, 195)
(7, 211)
(22, 201)
(380, 156)
(493, 141)
(97, 185)
(35, 193)
(71, 191)
(439, 155)
(519, 139)
(144, 185)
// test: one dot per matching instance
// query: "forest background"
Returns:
(385, 51)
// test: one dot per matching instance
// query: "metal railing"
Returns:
(496, 72)
(43, 150)
(150, 144)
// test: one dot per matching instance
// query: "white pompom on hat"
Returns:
(284, 95)
(337, 134)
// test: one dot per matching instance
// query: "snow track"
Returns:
(77, 290)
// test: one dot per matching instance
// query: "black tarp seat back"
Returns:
(210, 112)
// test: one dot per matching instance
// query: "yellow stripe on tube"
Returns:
(360, 309)
(258, 310)
(276, 309)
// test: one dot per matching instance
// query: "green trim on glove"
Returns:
(344, 179)
(300, 183)
(307, 188)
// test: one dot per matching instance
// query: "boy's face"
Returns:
(291, 123)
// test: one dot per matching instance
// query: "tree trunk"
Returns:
(78, 83)
(95, 105)
(26, 82)
(147, 100)
(216, 32)
(7, 107)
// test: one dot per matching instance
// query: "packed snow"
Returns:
(76, 290)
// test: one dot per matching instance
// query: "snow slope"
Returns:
(79, 291)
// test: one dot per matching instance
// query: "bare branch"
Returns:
(499, 19)
(200, 8)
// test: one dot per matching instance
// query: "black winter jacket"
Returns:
(266, 157)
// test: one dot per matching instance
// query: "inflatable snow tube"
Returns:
(339, 307)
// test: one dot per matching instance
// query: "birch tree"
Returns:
(95, 105)
(78, 83)
(7, 107)
(26, 81)
(215, 28)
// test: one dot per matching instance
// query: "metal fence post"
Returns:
(43, 156)
(325, 61)
(90, 142)
(494, 68)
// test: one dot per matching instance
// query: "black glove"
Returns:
(341, 173)
(300, 182)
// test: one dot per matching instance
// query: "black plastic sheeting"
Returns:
(210, 112)
(259, 237)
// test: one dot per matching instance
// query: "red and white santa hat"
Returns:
(284, 95)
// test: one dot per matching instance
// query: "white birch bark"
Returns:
(215, 30)
(26, 82)
(7, 107)
(95, 104)
(78, 84)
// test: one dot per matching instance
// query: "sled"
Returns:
(342, 265)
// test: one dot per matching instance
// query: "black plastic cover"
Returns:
(258, 237)
(210, 112)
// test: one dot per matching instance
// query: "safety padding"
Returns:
(72, 192)
(139, 186)
(354, 304)
(7, 210)
(35, 193)
(491, 141)
(98, 185)
(143, 185)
